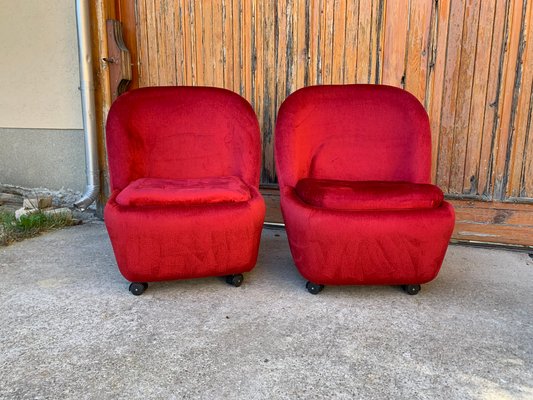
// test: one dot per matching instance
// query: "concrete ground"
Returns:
(69, 328)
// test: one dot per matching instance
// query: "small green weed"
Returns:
(12, 230)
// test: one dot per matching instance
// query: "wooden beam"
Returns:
(101, 10)
(125, 13)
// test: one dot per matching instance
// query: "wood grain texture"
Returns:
(395, 42)
(338, 34)
(509, 89)
(418, 48)
(452, 62)
(435, 86)
(493, 103)
(527, 174)
(125, 11)
(100, 12)
(479, 106)
(267, 123)
(118, 59)
(462, 59)
(464, 95)
(350, 42)
(523, 96)
(366, 46)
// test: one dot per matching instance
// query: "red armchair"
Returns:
(353, 164)
(184, 166)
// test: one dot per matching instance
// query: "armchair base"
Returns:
(333, 247)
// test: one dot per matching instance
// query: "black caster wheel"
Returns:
(235, 280)
(313, 288)
(411, 289)
(138, 288)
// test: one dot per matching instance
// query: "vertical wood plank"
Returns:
(478, 106)
(193, 57)
(505, 136)
(493, 104)
(160, 57)
(350, 44)
(100, 11)
(376, 41)
(320, 44)
(436, 81)
(364, 42)
(327, 42)
(208, 44)
(339, 41)
(186, 33)
(259, 77)
(301, 45)
(126, 12)
(292, 46)
(159, 30)
(227, 14)
(179, 43)
(281, 54)
(417, 53)
(143, 44)
(153, 51)
(464, 96)
(281, 39)
(270, 62)
(218, 44)
(527, 175)
(523, 90)
(395, 42)
(236, 31)
(526, 183)
(314, 41)
(253, 54)
(246, 50)
(199, 32)
(451, 81)
(169, 53)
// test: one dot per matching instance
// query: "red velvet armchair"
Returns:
(353, 164)
(184, 165)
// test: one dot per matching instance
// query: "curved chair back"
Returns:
(352, 132)
(182, 132)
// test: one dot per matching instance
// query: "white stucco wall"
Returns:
(39, 65)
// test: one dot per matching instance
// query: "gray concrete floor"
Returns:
(69, 328)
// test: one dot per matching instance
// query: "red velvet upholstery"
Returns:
(168, 192)
(353, 164)
(184, 164)
(368, 195)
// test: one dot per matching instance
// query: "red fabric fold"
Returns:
(166, 192)
(368, 195)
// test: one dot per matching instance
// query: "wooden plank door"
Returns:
(470, 62)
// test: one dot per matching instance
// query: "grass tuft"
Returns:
(13, 230)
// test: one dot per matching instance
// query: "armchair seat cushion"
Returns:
(173, 192)
(368, 195)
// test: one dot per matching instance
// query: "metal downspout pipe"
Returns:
(88, 105)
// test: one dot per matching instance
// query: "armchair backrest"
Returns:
(182, 132)
(352, 132)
